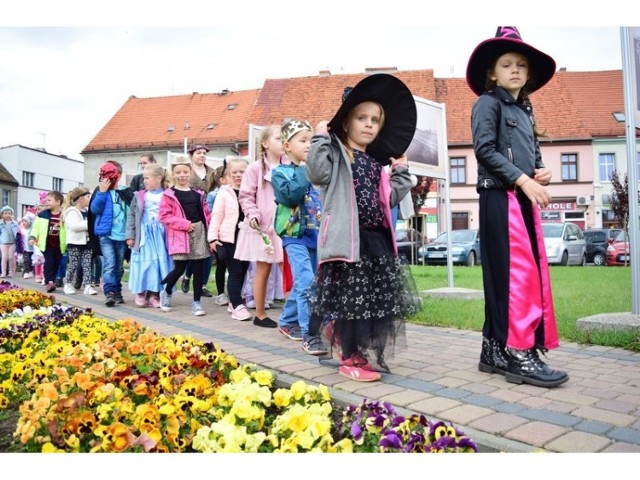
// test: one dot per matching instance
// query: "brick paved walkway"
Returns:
(598, 410)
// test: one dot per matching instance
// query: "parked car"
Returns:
(618, 250)
(409, 241)
(465, 249)
(598, 239)
(564, 244)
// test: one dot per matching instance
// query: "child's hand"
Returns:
(254, 224)
(213, 245)
(399, 161)
(536, 193)
(191, 228)
(130, 242)
(104, 184)
(322, 128)
(542, 176)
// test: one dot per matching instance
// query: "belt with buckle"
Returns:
(489, 183)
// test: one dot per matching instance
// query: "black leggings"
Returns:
(179, 266)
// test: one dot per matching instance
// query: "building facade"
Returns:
(38, 171)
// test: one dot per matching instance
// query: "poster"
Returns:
(427, 153)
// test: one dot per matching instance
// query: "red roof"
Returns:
(146, 123)
(572, 106)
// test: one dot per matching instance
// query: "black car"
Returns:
(598, 239)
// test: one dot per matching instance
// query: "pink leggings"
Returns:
(8, 259)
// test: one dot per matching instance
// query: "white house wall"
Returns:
(45, 166)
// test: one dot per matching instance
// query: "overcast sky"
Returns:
(59, 85)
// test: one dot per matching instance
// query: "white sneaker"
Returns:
(196, 309)
(241, 313)
(27, 275)
(89, 290)
(68, 289)
(222, 300)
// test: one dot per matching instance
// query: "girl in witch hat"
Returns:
(361, 293)
(512, 181)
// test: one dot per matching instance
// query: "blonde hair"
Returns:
(155, 170)
(229, 161)
(72, 197)
(261, 152)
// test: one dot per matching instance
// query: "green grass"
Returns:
(577, 292)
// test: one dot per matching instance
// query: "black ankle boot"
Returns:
(493, 358)
(525, 366)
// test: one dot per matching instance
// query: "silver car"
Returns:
(564, 244)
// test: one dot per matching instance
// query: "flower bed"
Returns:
(86, 384)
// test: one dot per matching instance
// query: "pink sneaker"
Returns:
(241, 313)
(140, 300)
(154, 300)
(358, 374)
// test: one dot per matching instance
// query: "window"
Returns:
(27, 179)
(458, 170)
(569, 167)
(607, 162)
(6, 197)
(57, 184)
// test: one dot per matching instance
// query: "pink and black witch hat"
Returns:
(541, 66)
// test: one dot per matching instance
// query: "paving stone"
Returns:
(606, 416)
(536, 433)
(479, 388)
(622, 447)
(578, 442)
(434, 405)
(591, 426)
(379, 390)
(550, 417)
(405, 397)
(630, 435)
(509, 395)
(450, 382)
(616, 406)
(419, 385)
(498, 423)
(482, 400)
(464, 414)
(569, 395)
(511, 408)
(535, 402)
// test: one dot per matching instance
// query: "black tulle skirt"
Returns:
(362, 306)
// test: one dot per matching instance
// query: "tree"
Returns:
(620, 202)
(419, 196)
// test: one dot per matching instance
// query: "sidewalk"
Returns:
(597, 410)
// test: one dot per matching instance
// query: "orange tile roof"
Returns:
(596, 95)
(318, 98)
(574, 106)
(144, 123)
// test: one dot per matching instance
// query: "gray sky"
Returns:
(59, 85)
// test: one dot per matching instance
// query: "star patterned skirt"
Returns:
(362, 306)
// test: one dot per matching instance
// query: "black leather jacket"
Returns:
(503, 140)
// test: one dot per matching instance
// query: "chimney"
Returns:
(324, 73)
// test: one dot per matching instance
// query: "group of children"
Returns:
(318, 203)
